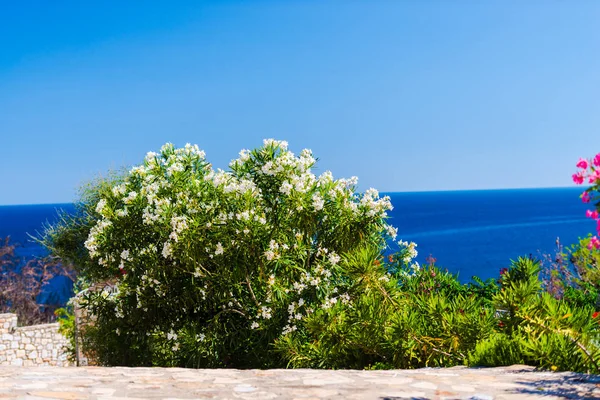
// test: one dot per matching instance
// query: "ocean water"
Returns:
(468, 232)
(479, 232)
(21, 221)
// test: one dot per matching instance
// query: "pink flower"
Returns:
(578, 178)
(597, 160)
(585, 197)
(582, 163)
(591, 214)
(594, 243)
(595, 176)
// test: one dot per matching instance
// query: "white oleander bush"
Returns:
(211, 268)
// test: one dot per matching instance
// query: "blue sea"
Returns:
(478, 232)
(467, 232)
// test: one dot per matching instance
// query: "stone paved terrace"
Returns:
(516, 382)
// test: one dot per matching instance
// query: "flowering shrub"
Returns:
(581, 278)
(211, 267)
(589, 170)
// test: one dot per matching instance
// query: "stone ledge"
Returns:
(53, 326)
(517, 382)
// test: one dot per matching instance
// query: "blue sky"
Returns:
(407, 95)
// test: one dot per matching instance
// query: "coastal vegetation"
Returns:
(267, 265)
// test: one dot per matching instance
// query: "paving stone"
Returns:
(94, 383)
(332, 380)
(424, 385)
(463, 388)
(60, 395)
(481, 397)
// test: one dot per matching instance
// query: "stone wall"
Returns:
(30, 345)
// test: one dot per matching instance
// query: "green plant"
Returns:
(66, 319)
(65, 239)
(535, 328)
(424, 317)
(206, 265)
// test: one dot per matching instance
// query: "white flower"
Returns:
(244, 155)
(286, 188)
(119, 190)
(167, 250)
(334, 258)
(270, 255)
(150, 156)
(148, 217)
(130, 197)
(306, 159)
(220, 178)
(349, 183)
(411, 251)
(265, 312)
(288, 329)
(176, 167)
(299, 287)
(219, 249)
(372, 193)
(391, 231)
(125, 255)
(322, 250)
(245, 215)
(272, 142)
(325, 178)
(100, 206)
(179, 223)
(254, 325)
(267, 168)
(171, 335)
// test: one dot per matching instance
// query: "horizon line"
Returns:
(381, 191)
